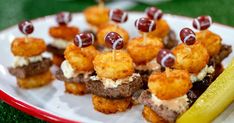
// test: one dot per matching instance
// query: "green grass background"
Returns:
(13, 11)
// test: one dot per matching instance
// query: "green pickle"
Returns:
(213, 101)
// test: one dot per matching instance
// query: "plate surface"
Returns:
(52, 104)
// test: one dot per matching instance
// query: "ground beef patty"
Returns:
(31, 69)
(55, 50)
(144, 97)
(122, 91)
(80, 78)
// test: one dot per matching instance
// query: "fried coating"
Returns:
(109, 106)
(35, 81)
(29, 47)
(169, 84)
(96, 16)
(210, 40)
(141, 52)
(162, 29)
(106, 67)
(58, 59)
(75, 88)
(106, 28)
(64, 32)
(192, 58)
(80, 58)
(151, 116)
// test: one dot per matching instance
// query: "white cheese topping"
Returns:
(60, 43)
(69, 72)
(202, 74)
(109, 83)
(23, 61)
(151, 65)
(67, 69)
(179, 104)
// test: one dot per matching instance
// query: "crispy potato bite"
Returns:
(66, 33)
(162, 29)
(75, 88)
(210, 40)
(143, 53)
(104, 29)
(28, 48)
(58, 59)
(169, 84)
(192, 58)
(106, 67)
(109, 106)
(80, 58)
(96, 16)
(151, 116)
(35, 81)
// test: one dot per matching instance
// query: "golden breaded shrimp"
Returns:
(80, 58)
(162, 29)
(66, 33)
(210, 40)
(104, 29)
(169, 84)
(142, 53)
(192, 58)
(28, 48)
(106, 67)
(96, 16)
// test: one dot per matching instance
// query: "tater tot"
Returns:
(109, 106)
(162, 29)
(75, 88)
(152, 116)
(210, 40)
(106, 67)
(192, 58)
(169, 84)
(96, 16)
(80, 58)
(28, 47)
(104, 29)
(66, 33)
(141, 52)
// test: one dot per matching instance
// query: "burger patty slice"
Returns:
(55, 50)
(79, 78)
(31, 69)
(122, 91)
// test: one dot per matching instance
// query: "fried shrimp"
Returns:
(192, 58)
(142, 53)
(80, 58)
(66, 33)
(28, 48)
(103, 30)
(210, 40)
(107, 67)
(162, 29)
(109, 106)
(96, 15)
(169, 84)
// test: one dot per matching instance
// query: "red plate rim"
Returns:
(40, 113)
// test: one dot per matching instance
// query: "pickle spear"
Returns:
(213, 101)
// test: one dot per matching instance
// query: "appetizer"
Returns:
(77, 67)
(115, 81)
(163, 30)
(144, 50)
(62, 36)
(96, 15)
(30, 68)
(116, 16)
(166, 97)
